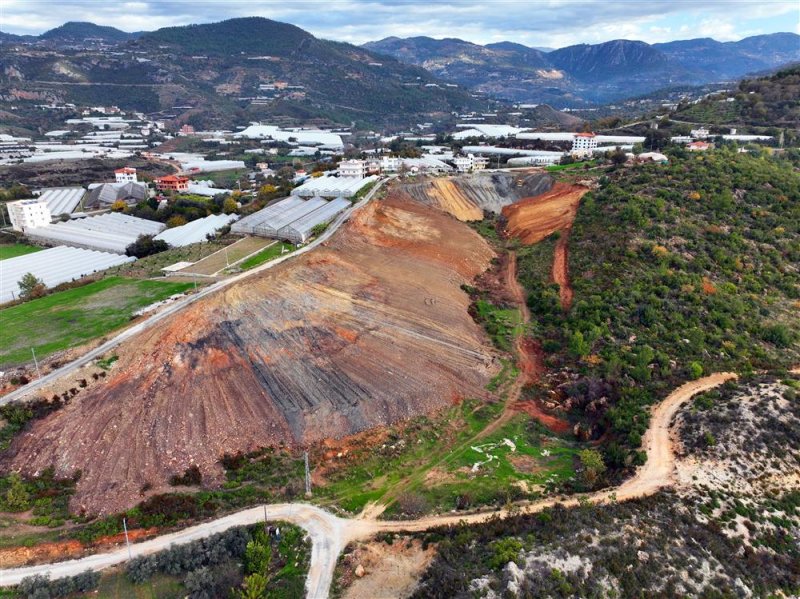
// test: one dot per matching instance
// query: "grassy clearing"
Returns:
(151, 266)
(502, 324)
(116, 585)
(235, 252)
(575, 165)
(266, 255)
(72, 317)
(16, 249)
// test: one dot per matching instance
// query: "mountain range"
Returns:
(216, 73)
(217, 70)
(590, 73)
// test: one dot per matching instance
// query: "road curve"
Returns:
(179, 305)
(330, 534)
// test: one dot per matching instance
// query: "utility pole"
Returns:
(127, 541)
(36, 363)
(308, 475)
(227, 263)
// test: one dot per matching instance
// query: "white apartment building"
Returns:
(126, 175)
(700, 133)
(463, 164)
(584, 144)
(353, 168)
(390, 164)
(28, 214)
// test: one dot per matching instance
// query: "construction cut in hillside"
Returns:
(370, 328)
(534, 218)
(467, 196)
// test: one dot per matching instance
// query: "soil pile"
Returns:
(467, 196)
(367, 330)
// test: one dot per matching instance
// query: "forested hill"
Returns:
(677, 270)
(772, 101)
(210, 67)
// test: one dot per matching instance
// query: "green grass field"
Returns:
(69, 318)
(16, 249)
(268, 254)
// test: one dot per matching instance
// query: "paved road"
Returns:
(148, 323)
(330, 534)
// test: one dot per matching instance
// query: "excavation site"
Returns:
(368, 329)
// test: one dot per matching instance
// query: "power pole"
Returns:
(127, 541)
(36, 363)
(308, 475)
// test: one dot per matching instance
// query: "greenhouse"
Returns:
(300, 230)
(246, 224)
(269, 228)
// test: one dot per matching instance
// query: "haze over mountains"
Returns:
(590, 72)
(212, 67)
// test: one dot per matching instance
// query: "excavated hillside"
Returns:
(369, 329)
(536, 217)
(467, 196)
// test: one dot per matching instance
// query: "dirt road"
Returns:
(330, 534)
(561, 269)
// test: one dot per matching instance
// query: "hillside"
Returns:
(763, 102)
(503, 70)
(729, 529)
(80, 31)
(211, 66)
(591, 73)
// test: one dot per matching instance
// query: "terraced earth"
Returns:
(370, 328)
(467, 196)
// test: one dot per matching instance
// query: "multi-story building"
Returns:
(126, 175)
(584, 144)
(28, 214)
(353, 168)
(172, 183)
(390, 164)
(463, 163)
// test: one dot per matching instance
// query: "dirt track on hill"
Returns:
(366, 330)
(533, 219)
(330, 534)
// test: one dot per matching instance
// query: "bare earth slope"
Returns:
(367, 330)
(467, 196)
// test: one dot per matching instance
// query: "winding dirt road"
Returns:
(330, 534)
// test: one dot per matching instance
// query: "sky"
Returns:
(548, 23)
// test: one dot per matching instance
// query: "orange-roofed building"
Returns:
(584, 144)
(172, 183)
(126, 175)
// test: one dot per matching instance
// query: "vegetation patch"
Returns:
(17, 249)
(266, 255)
(69, 318)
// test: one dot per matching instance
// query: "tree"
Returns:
(618, 157)
(695, 370)
(17, 497)
(146, 245)
(31, 287)
(119, 206)
(593, 466)
(175, 221)
(229, 206)
(579, 347)
(254, 587)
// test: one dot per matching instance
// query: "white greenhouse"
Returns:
(300, 230)
(54, 266)
(246, 224)
(195, 231)
(269, 228)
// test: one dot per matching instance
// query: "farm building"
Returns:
(62, 200)
(105, 194)
(110, 232)
(332, 187)
(54, 266)
(247, 224)
(195, 231)
(270, 227)
(300, 230)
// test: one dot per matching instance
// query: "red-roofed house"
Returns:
(126, 175)
(172, 183)
(698, 146)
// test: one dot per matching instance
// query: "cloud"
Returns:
(538, 23)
